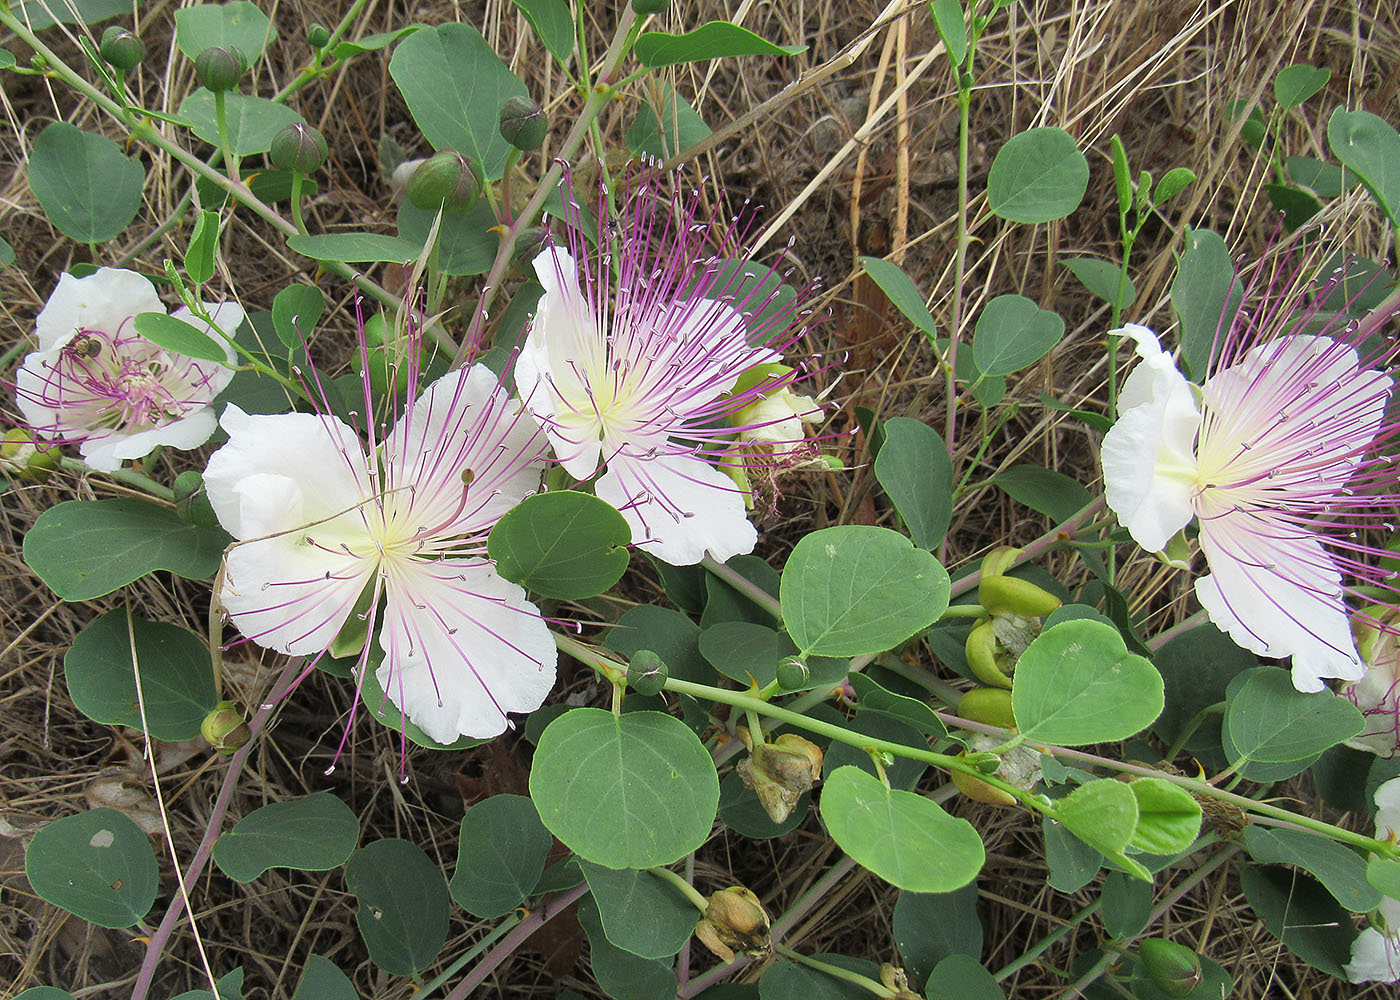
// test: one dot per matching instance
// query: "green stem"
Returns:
(458, 964)
(1046, 943)
(129, 476)
(1189, 731)
(743, 585)
(297, 218)
(950, 430)
(685, 888)
(963, 611)
(225, 146)
(864, 982)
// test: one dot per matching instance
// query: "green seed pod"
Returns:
(989, 662)
(645, 7)
(446, 179)
(1174, 968)
(792, 673)
(523, 123)
(978, 790)
(219, 68)
(224, 728)
(23, 456)
(121, 48)
(989, 705)
(1009, 594)
(318, 36)
(646, 673)
(299, 148)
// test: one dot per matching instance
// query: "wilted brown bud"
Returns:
(780, 772)
(734, 921)
(895, 980)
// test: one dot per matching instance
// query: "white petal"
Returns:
(462, 648)
(679, 507)
(1148, 456)
(1375, 958)
(106, 452)
(1377, 695)
(104, 300)
(1276, 592)
(1388, 815)
(464, 422)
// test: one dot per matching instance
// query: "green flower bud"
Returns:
(446, 179)
(318, 36)
(977, 789)
(219, 68)
(646, 673)
(645, 7)
(1174, 968)
(25, 457)
(529, 243)
(299, 148)
(224, 728)
(792, 673)
(523, 123)
(39, 62)
(121, 48)
(191, 502)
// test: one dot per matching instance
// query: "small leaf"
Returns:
(295, 312)
(1206, 296)
(1384, 876)
(403, 905)
(679, 128)
(313, 833)
(1101, 277)
(1301, 914)
(356, 248)
(7, 257)
(930, 926)
(1104, 814)
(176, 335)
(713, 40)
(89, 190)
(240, 24)
(1172, 184)
(785, 980)
(1339, 868)
(1295, 84)
(96, 864)
(253, 122)
(900, 289)
(1127, 905)
(915, 472)
(467, 241)
(962, 977)
(949, 19)
(323, 980)
(501, 853)
(1051, 493)
(1013, 333)
(621, 974)
(1038, 176)
(1269, 721)
(553, 24)
(903, 837)
(640, 913)
(562, 544)
(1369, 146)
(204, 246)
(871, 697)
(1169, 819)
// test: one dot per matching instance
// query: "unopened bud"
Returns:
(1011, 595)
(224, 728)
(24, 456)
(988, 705)
(219, 68)
(299, 148)
(523, 123)
(793, 673)
(1173, 968)
(318, 36)
(646, 673)
(446, 179)
(121, 48)
(529, 243)
(734, 921)
(779, 772)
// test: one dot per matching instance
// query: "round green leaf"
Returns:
(501, 853)
(1295, 84)
(562, 544)
(88, 548)
(1302, 915)
(713, 40)
(97, 864)
(253, 122)
(1206, 295)
(1340, 869)
(677, 129)
(314, 833)
(177, 681)
(1077, 683)
(871, 697)
(323, 980)
(1384, 876)
(356, 248)
(785, 980)
(7, 257)
(178, 336)
(630, 791)
(1052, 493)
(906, 839)
(1013, 333)
(240, 24)
(1269, 721)
(467, 240)
(1127, 905)
(930, 926)
(858, 589)
(1369, 146)
(1169, 819)
(44, 993)
(640, 913)
(295, 312)
(1103, 814)
(1101, 277)
(621, 974)
(403, 904)
(89, 190)
(229, 987)
(915, 472)
(1196, 668)
(962, 977)
(1038, 176)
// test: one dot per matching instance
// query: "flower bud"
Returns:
(191, 502)
(897, 982)
(121, 48)
(25, 457)
(299, 148)
(734, 921)
(1011, 595)
(224, 728)
(990, 663)
(318, 36)
(523, 123)
(219, 68)
(529, 243)
(792, 673)
(1173, 968)
(779, 772)
(446, 179)
(646, 672)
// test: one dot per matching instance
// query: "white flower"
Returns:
(96, 382)
(776, 419)
(1377, 694)
(1375, 954)
(320, 523)
(1271, 456)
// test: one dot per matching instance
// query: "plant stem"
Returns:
(225, 146)
(1063, 532)
(548, 909)
(459, 963)
(1044, 944)
(743, 585)
(950, 428)
(129, 476)
(864, 982)
(685, 888)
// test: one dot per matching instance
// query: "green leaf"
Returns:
(96, 864)
(203, 248)
(1384, 876)
(562, 544)
(466, 243)
(41, 14)
(1295, 84)
(1077, 683)
(1206, 296)
(1370, 147)
(501, 853)
(44, 993)
(89, 190)
(900, 289)
(1051, 493)
(240, 24)
(1122, 175)
(630, 791)
(857, 589)
(1322, 178)
(314, 833)
(903, 773)
(745, 651)
(1014, 333)
(177, 681)
(84, 549)
(930, 926)
(871, 697)
(714, 40)
(915, 472)
(785, 980)
(949, 20)
(1269, 721)
(1101, 277)
(295, 312)
(229, 987)
(740, 810)
(7, 253)
(639, 912)
(356, 248)
(322, 980)
(403, 905)
(1104, 814)
(553, 24)
(455, 84)
(1173, 182)
(1127, 905)
(252, 122)
(723, 603)
(176, 335)
(621, 974)
(1302, 915)
(673, 637)
(678, 128)
(1296, 205)
(1169, 819)
(1073, 863)
(373, 43)
(1340, 869)
(1196, 669)
(962, 977)
(903, 837)
(1038, 176)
